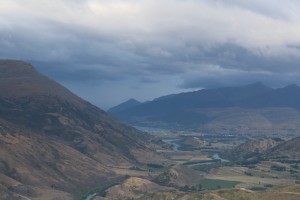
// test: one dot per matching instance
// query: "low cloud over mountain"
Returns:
(116, 45)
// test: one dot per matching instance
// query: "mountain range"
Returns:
(251, 108)
(53, 143)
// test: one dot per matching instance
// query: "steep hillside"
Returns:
(290, 192)
(287, 150)
(178, 176)
(29, 160)
(230, 194)
(51, 138)
(251, 150)
(252, 108)
(266, 149)
(134, 188)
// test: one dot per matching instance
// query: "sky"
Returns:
(108, 51)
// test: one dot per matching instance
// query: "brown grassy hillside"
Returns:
(50, 139)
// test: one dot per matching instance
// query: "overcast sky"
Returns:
(108, 51)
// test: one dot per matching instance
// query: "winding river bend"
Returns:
(173, 143)
(91, 196)
(216, 157)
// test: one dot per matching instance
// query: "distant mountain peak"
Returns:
(16, 68)
(21, 79)
(202, 108)
(132, 100)
(292, 86)
(12, 61)
(130, 103)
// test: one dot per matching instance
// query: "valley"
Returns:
(55, 145)
(205, 155)
(149, 100)
(198, 169)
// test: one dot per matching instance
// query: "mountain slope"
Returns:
(252, 107)
(124, 106)
(134, 188)
(287, 150)
(178, 176)
(268, 149)
(29, 160)
(50, 138)
(251, 150)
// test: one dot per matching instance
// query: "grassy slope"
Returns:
(291, 192)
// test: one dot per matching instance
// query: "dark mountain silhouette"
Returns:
(51, 138)
(124, 106)
(251, 107)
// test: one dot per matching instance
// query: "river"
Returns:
(173, 143)
(91, 196)
(216, 157)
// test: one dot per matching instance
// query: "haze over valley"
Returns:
(250, 109)
(56, 145)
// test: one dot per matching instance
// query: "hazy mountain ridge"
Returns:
(124, 106)
(254, 107)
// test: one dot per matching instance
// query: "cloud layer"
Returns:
(147, 48)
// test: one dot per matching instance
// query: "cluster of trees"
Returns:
(278, 168)
(196, 188)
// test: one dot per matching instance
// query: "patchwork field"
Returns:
(195, 170)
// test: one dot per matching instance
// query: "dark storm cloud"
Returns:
(231, 65)
(169, 45)
(149, 80)
(238, 79)
(66, 72)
